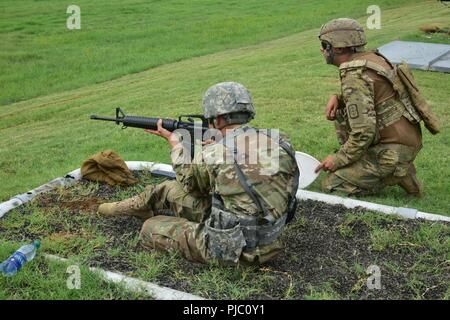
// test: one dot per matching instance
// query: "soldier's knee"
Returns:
(170, 184)
(146, 235)
(160, 190)
(163, 233)
(331, 182)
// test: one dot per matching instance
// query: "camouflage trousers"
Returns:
(382, 165)
(175, 221)
(173, 218)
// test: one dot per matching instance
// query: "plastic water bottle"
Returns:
(15, 262)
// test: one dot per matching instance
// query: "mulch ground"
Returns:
(318, 256)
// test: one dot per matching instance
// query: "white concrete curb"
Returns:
(409, 213)
(166, 169)
(155, 291)
(73, 176)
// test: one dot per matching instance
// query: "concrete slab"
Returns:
(442, 64)
(419, 55)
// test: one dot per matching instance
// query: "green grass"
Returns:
(39, 55)
(51, 135)
(433, 236)
(323, 292)
(388, 236)
(425, 37)
(42, 279)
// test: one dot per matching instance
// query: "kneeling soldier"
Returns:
(377, 116)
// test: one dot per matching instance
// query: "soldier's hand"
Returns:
(332, 105)
(326, 165)
(166, 134)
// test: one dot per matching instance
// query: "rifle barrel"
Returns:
(151, 123)
(94, 117)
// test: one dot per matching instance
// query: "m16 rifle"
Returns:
(186, 122)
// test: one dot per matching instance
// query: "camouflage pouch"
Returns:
(406, 88)
(419, 103)
(224, 237)
(389, 112)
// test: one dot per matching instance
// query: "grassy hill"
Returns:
(39, 55)
(190, 47)
(48, 136)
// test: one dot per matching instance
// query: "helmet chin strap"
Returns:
(329, 56)
(214, 123)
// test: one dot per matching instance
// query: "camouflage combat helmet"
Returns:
(343, 33)
(225, 98)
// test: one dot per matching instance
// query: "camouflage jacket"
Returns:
(357, 101)
(371, 110)
(270, 170)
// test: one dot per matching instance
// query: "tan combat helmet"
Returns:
(343, 33)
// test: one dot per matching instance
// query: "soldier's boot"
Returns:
(411, 184)
(129, 207)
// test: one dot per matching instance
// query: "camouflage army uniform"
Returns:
(378, 143)
(233, 200)
(190, 198)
